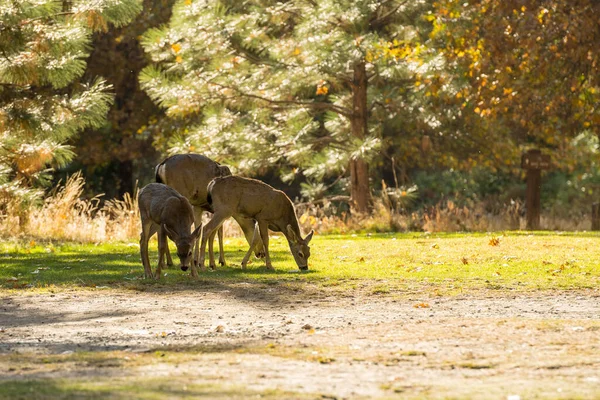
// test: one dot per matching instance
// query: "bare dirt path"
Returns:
(544, 345)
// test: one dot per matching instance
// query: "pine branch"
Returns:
(254, 58)
(343, 198)
(47, 17)
(314, 105)
(378, 22)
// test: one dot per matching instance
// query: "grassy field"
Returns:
(420, 327)
(381, 263)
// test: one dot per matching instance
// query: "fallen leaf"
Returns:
(494, 241)
(326, 360)
(422, 305)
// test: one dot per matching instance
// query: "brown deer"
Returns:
(270, 208)
(165, 211)
(190, 174)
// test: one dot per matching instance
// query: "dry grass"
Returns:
(444, 217)
(65, 215)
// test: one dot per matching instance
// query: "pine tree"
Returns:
(43, 48)
(305, 84)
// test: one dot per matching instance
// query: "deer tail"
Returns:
(158, 171)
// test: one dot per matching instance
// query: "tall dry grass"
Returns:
(65, 215)
(444, 217)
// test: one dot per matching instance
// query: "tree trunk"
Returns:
(360, 193)
(360, 197)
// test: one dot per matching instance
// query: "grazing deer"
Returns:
(269, 207)
(190, 174)
(165, 211)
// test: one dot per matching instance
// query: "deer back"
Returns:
(251, 198)
(190, 174)
(164, 205)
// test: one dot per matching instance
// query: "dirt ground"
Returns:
(333, 346)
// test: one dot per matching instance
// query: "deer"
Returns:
(270, 208)
(165, 211)
(190, 175)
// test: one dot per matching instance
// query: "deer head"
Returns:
(184, 244)
(299, 247)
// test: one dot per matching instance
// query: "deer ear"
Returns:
(172, 234)
(292, 234)
(197, 231)
(308, 237)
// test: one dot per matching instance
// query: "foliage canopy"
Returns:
(44, 44)
(304, 85)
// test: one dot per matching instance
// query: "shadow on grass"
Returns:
(12, 316)
(120, 267)
(22, 270)
(132, 388)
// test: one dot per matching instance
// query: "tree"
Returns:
(529, 69)
(43, 47)
(303, 84)
(124, 148)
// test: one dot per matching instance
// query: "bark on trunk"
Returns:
(359, 190)
(360, 193)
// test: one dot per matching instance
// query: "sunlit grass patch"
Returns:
(383, 264)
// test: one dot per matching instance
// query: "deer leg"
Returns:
(197, 222)
(167, 253)
(264, 235)
(148, 229)
(162, 247)
(253, 243)
(222, 262)
(211, 251)
(207, 232)
(248, 225)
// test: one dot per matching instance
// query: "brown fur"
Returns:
(190, 175)
(165, 211)
(269, 207)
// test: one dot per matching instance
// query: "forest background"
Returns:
(377, 115)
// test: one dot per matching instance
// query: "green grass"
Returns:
(128, 388)
(378, 265)
(381, 264)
